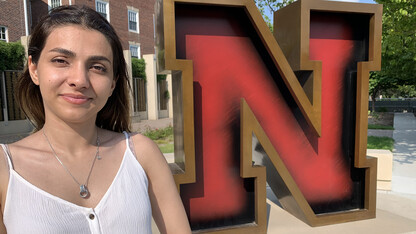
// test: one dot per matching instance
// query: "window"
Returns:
(135, 51)
(54, 3)
(133, 21)
(3, 34)
(102, 8)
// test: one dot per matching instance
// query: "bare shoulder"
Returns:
(14, 149)
(147, 152)
(31, 142)
(167, 208)
(4, 172)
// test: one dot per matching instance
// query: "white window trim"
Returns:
(7, 33)
(50, 4)
(107, 8)
(137, 21)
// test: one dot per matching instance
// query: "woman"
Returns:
(80, 172)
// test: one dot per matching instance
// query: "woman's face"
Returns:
(74, 73)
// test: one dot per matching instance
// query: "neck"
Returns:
(73, 140)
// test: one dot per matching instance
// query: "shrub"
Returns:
(159, 133)
(160, 77)
(12, 56)
(138, 67)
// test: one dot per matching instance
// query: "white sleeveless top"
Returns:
(125, 207)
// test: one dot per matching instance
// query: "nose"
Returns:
(79, 77)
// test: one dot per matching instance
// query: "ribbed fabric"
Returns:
(125, 207)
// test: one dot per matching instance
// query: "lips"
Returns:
(75, 99)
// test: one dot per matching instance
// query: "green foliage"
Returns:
(398, 48)
(163, 138)
(380, 127)
(159, 134)
(401, 91)
(270, 6)
(160, 77)
(12, 56)
(166, 94)
(374, 142)
(138, 67)
(168, 148)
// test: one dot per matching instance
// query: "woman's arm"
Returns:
(4, 178)
(2, 227)
(167, 207)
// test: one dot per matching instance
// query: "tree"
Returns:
(138, 67)
(12, 56)
(398, 67)
(268, 7)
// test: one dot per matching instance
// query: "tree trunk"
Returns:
(373, 102)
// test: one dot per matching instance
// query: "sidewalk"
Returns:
(404, 155)
(396, 209)
(142, 126)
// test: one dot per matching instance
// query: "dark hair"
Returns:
(115, 115)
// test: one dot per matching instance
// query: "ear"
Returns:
(33, 70)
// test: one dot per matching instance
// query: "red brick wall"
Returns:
(147, 40)
(119, 20)
(39, 8)
(12, 16)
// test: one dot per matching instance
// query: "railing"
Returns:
(10, 109)
(394, 105)
(139, 94)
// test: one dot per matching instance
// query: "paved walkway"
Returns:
(404, 155)
(396, 209)
(142, 126)
(145, 125)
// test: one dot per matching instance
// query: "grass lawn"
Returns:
(166, 148)
(374, 142)
(380, 127)
(163, 138)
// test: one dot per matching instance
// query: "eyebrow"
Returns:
(73, 54)
(63, 51)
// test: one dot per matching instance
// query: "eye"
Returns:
(99, 68)
(59, 61)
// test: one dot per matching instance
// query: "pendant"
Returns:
(83, 191)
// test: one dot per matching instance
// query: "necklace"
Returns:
(84, 193)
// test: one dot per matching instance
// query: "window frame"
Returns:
(136, 13)
(50, 7)
(6, 34)
(107, 8)
(137, 48)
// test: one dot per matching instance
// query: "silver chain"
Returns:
(83, 187)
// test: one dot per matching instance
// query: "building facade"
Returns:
(13, 20)
(133, 21)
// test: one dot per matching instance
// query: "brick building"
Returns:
(13, 20)
(133, 21)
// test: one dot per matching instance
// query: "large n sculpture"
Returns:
(288, 108)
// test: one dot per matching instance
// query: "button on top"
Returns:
(91, 216)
